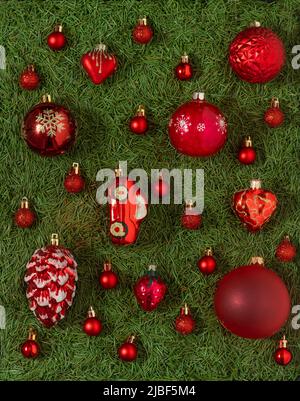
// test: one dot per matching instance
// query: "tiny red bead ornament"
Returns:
(184, 323)
(286, 250)
(160, 187)
(283, 355)
(24, 217)
(57, 40)
(142, 32)
(184, 71)
(128, 351)
(108, 279)
(191, 218)
(207, 264)
(247, 154)
(274, 116)
(254, 206)
(30, 348)
(257, 54)
(29, 79)
(74, 182)
(252, 301)
(92, 326)
(150, 290)
(198, 128)
(139, 124)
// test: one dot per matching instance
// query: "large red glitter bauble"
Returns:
(198, 128)
(257, 54)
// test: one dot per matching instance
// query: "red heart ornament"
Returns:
(99, 64)
(254, 206)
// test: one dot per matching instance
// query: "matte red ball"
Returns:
(56, 40)
(108, 279)
(185, 324)
(252, 301)
(274, 117)
(92, 326)
(207, 264)
(138, 125)
(283, 356)
(184, 71)
(24, 217)
(286, 251)
(142, 34)
(247, 155)
(74, 183)
(128, 352)
(29, 79)
(160, 188)
(30, 349)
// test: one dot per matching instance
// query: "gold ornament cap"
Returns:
(24, 203)
(248, 142)
(131, 338)
(46, 98)
(107, 266)
(257, 260)
(101, 47)
(189, 203)
(198, 96)
(184, 58)
(32, 334)
(152, 268)
(75, 167)
(58, 28)
(141, 111)
(283, 342)
(275, 102)
(142, 21)
(54, 239)
(118, 172)
(208, 251)
(91, 312)
(255, 24)
(185, 310)
(255, 184)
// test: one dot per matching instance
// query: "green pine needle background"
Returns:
(204, 30)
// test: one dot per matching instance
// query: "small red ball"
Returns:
(30, 349)
(160, 188)
(74, 183)
(108, 279)
(92, 326)
(185, 324)
(128, 352)
(29, 79)
(138, 125)
(24, 217)
(142, 33)
(184, 71)
(283, 356)
(56, 40)
(207, 264)
(191, 221)
(247, 155)
(286, 251)
(274, 117)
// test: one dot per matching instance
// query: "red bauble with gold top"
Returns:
(142, 32)
(108, 279)
(24, 217)
(74, 182)
(247, 154)
(30, 348)
(184, 323)
(92, 326)
(184, 70)
(128, 351)
(283, 355)
(274, 116)
(57, 40)
(29, 79)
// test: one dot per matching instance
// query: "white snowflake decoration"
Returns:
(201, 127)
(49, 120)
(182, 123)
(221, 124)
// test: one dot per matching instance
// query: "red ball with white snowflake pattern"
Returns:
(198, 128)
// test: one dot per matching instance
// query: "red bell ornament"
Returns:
(247, 154)
(57, 40)
(207, 264)
(254, 206)
(92, 326)
(74, 182)
(30, 348)
(198, 128)
(142, 32)
(274, 116)
(99, 64)
(127, 209)
(283, 355)
(184, 70)
(51, 276)
(108, 279)
(184, 323)
(150, 290)
(24, 217)
(256, 54)
(139, 124)
(252, 301)
(48, 128)
(29, 79)
(128, 351)
(191, 218)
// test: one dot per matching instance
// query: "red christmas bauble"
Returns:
(184, 70)
(198, 128)
(247, 154)
(184, 323)
(99, 64)
(150, 290)
(207, 264)
(30, 349)
(139, 124)
(74, 182)
(160, 188)
(56, 40)
(92, 326)
(274, 116)
(256, 54)
(283, 356)
(254, 206)
(24, 216)
(49, 129)
(128, 351)
(51, 276)
(142, 32)
(191, 219)
(108, 279)
(252, 301)
(29, 79)
(286, 251)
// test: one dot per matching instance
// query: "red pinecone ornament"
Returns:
(247, 154)
(190, 218)
(207, 264)
(56, 40)
(184, 323)
(108, 279)
(150, 290)
(51, 276)
(254, 206)
(128, 351)
(139, 124)
(286, 251)
(74, 182)
(283, 355)
(30, 348)
(274, 116)
(92, 326)
(142, 32)
(256, 54)
(99, 64)
(24, 216)
(29, 79)
(184, 70)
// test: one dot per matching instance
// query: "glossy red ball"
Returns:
(108, 279)
(24, 217)
(184, 71)
(207, 264)
(274, 117)
(30, 349)
(29, 79)
(138, 125)
(74, 183)
(286, 251)
(283, 356)
(160, 188)
(142, 34)
(247, 155)
(92, 326)
(185, 324)
(56, 40)
(191, 221)
(128, 352)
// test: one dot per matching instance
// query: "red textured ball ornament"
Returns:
(247, 154)
(283, 355)
(29, 79)
(252, 301)
(30, 348)
(207, 264)
(257, 54)
(150, 290)
(274, 116)
(184, 323)
(108, 279)
(198, 128)
(74, 182)
(139, 124)
(49, 129)
(286, 251)
(142, 32)
(24, 216)
(51, 276)
(184, 70)
(191, 218)
(160, 187)
(92, 326)
(128, 351)
(57, 40)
